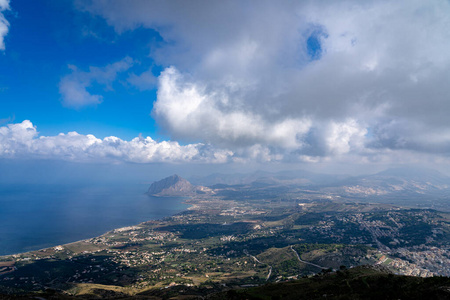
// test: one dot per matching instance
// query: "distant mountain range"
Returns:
(295, 177)
(402, 186)
(395, 182)
(307, 178)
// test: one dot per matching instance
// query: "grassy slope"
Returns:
(356, 283)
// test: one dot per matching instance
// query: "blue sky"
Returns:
(47, 36)
(310, 84)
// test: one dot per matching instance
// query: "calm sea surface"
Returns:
(36, 217)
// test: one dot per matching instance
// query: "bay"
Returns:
(33, 217)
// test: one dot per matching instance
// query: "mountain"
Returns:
(422, 175)
(292, 177)
(175, 186)
(406, 182)
(172, 186)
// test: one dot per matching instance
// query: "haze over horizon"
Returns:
(134, 88)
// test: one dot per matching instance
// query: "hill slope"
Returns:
(363, 282)
(172, 186)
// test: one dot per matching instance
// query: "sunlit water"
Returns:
(36, 217)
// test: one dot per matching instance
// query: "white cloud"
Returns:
(4, 24)
(22, 140)
(73, 87)
(189, 111)
(144, 81)
(243, 76)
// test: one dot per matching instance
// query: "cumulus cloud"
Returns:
(23, 140)
(188, 110)
(305, 79)
(74, 86)
(4, 24)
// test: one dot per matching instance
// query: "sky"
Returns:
(232, 85)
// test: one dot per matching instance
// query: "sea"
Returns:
(34, 217)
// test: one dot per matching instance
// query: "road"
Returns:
(306, 262)
(258, 261)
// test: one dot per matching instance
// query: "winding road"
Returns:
(258, 261)
(305, 262)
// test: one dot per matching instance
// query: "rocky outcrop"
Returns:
(173, 186)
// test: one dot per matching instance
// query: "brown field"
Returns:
(7, 263)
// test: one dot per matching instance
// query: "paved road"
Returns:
(306, 262)
(258, 261)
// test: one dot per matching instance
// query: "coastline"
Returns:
(183, 200)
